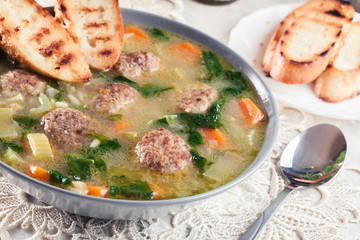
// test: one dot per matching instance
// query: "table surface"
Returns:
(217, 21)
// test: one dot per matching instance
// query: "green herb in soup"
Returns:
(170, 119)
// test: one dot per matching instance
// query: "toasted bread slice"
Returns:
(35, 39)
(96, 26)
(335, 8)
(342, 80)
(306, 48)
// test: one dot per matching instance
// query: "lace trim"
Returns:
(316, 213)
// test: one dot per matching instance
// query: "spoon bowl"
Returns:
(311, 159)
(314, 156)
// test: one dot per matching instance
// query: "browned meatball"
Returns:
(132, 64)
(111, 97)
(163, 151)
(20, 81)
(67, 127)
(197, 100)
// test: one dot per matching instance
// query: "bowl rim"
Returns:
(272, 127)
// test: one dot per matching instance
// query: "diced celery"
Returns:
(175, 123)
(40, 146)
(227, 165)
(73, 99)
(250, 137)
(7, 126)
(13, 159)
(45, 106)
(130, 134)
(61, 104)
(15, 99)
(79, 187)
(51, 92)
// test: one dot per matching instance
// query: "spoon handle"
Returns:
(256, 227)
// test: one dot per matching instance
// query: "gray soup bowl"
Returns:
(132, 209)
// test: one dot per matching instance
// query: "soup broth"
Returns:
(104, 168)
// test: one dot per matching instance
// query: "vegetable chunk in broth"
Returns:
(170, 119)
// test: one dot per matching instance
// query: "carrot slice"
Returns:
(138, 34)
(188, 51)
(252, 112)
(38, 173)
(121, 125)
(158, 192)
(97, 191)
(215, 134)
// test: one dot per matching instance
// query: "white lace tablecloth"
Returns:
(328, 212)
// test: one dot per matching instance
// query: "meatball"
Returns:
(132, 64)
(197, 100)
(111, 97)
(67, 127)
(20, 81)
(163, 151)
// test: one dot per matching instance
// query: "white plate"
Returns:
(249, 39)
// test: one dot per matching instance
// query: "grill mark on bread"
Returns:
(345, 2)
(88, 10)
(103, 38)
(17, 29)
(54, 47)
(2, 19)
(106, 52)
(324, 53)
(335, 13)
(66, 59)
(39, 36)
(300, 63)
(339, 33)
(96, 25)
(62, 8)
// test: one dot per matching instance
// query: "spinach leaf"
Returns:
(13, 146)
(79, 107)
(209, 120)
(237, 80)
(147, 90)
(341, 157)
(138, 190)
(114, 191)
(161, 123)
(59, 96)
(59, 178)
(27, 123)
(100, 137)
(105, 146)
(212, 64)
(198, 160)
(80, 167)
(54, 83)
(158, 34)
(118, 180)
(150, 90)
(195, 139)
(115, 117)
(100, 164)
(121, 185)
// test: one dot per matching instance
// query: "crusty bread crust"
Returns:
(96, 27)
(342, 80)
(306, 48)
(336, 85)
(337, 8)
(35, 39)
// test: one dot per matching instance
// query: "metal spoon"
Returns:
(310, 159)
